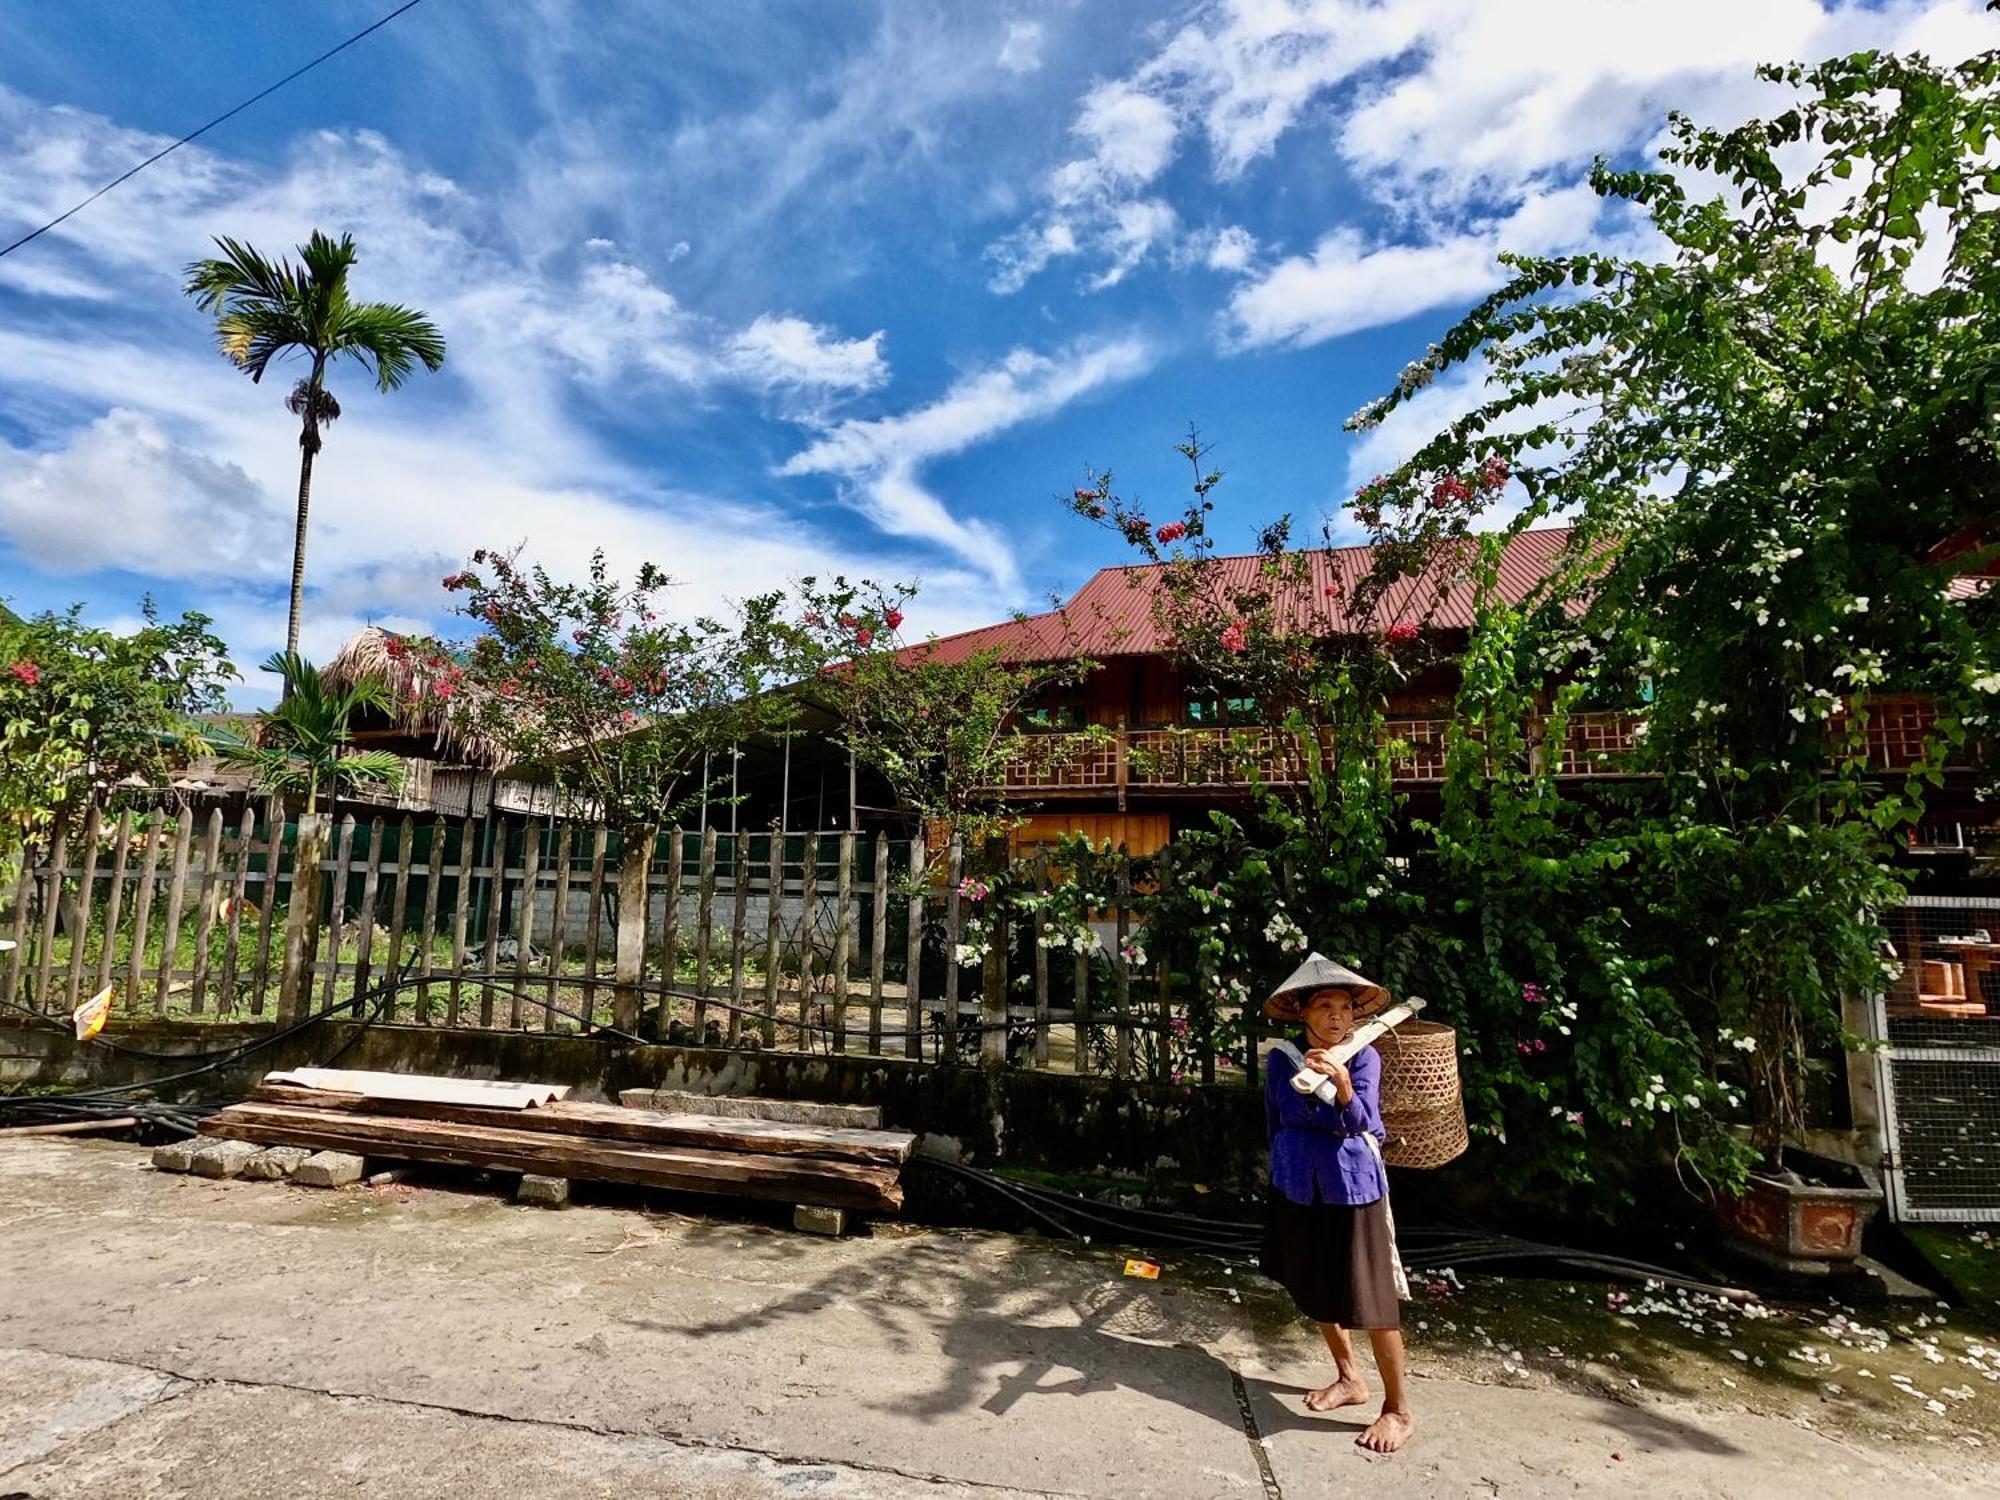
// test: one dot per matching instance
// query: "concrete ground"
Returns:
(170, 1336)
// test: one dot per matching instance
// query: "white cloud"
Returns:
(878, 460)
(784, 353)
(1022, 51)
(1346, 284)
(1232, 249)
(123, 494)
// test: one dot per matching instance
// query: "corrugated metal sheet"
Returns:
(1113, 614)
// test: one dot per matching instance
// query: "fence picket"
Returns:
(1080, 972)
(524, 919)
(1121, 965)
(954, 901)
(143, 914)
(670, 934)
(558, 923)
(878, 943)
(427, 934)
(274, 871)
(913, 1014)
(204, 922)
(808, 926)
(114, 907)
(170, 935)
(739, 920)
(79, 923)
(843, 937)
(461, 914)
(1042, 1022)
(337, 907)
(51, 910)
(1163, 874)
(704, 928)
(399, 913)
(364, 921)
(239, 885)
(489, 926)
(24, 901)
(774, 912)
(600, 849)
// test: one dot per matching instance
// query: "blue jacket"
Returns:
(1317, 1149)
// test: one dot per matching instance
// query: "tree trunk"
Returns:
(299, 546)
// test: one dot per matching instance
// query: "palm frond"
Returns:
(391, 338)
(239, 274)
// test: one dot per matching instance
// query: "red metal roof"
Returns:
(1113, 615)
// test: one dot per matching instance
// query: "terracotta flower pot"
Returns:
(1811, 1226)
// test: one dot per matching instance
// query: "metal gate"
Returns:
(1938, 1070)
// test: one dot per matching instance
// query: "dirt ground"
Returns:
(168, 1336)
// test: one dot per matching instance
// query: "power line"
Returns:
(193, 134)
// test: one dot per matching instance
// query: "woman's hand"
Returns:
(1322, 1061)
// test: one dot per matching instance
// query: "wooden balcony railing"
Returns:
(1594, 746)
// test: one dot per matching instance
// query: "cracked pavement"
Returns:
(171, 1336)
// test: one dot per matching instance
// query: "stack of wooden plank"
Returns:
(802, 1164)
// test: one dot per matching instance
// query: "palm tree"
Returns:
(265, 310)
(306, 742)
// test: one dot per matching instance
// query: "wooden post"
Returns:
(774, 913)
(954, 913)
(558, 922)
(878, 946)
(670, 927)
(135, 973)
(211, 856)
(170, 936)
(52, 884)
(427, 932)
(704, 925)
(79, 927)
(600, 845)
(24, 905)
(635, 900)
(993, 988)
(232, 942)
(114, 906)
(489, 963)
(1080, 974)
(1162, 1066)
(913, 1009)
(301, 920)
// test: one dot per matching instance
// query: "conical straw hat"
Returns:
(1319, 972)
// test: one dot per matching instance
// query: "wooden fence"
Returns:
(828, 943)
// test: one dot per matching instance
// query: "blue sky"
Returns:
(760, 290)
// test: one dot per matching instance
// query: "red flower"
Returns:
(864, 636)
(1085, 497)
(579, 635)
(893, 619)
(1236, 636)
(1493, 473)
(1135, 528)
(395, 647)
(1400, 633)
(1448, 489)
(26, 672)
(444, 688)
(1172, 532)
(849, 622)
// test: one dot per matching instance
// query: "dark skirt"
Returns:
(1334, 1259)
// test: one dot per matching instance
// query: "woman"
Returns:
(1328, 1238)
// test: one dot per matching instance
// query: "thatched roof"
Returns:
(420, 714)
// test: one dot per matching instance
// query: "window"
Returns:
(1213, 713)
(1055, 709)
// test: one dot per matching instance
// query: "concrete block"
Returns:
(274, 1163)
(789, 1111)
(543, 1192)
(637, 1098)
(810, 1220)
(222, 1158)
(176, 1156)
(330, 1169)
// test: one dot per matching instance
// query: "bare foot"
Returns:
(1388, 1432)
(1348, 1391)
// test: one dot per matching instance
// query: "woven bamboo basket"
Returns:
(1422, 1108)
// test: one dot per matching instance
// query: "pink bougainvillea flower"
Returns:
(1494, 472)
(1084, 497)
(1449, 489)
(444, 688)
(1236, 636)
(26, 672)
(864, 636)
(1532, 993)
(1400, 633)
(1172, 532)
(893, 619)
